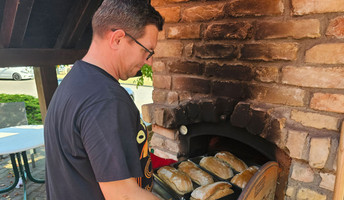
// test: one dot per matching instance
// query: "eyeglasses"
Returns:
(150, 52)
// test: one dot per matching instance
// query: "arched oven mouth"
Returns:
(206, 139)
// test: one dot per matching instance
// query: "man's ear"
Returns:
(115, 38)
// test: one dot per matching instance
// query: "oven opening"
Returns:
(203, 145)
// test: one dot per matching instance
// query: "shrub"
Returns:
(33, 112)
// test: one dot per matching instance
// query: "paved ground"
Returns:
(35, 191)
(18, 87)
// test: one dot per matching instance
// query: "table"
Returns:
(15, 141)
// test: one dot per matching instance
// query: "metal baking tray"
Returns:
(175, 196)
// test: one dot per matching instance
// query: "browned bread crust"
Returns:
(195, 173)
(217, 167)
(244, 177)
(212, 191)
(237, 164)
(177, 180)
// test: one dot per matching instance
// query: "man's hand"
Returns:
(126, 189)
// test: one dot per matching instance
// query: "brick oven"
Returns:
(271, 68)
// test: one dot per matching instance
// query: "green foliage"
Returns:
(146, 72)
(33, 112)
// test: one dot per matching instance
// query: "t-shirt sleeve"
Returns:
(108, 131)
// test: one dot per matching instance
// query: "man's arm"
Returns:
(126, 189)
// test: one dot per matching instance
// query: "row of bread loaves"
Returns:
(182, 184)
(181, 180)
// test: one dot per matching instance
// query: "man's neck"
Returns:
(98, 57)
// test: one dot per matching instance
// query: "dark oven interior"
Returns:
(205, 138)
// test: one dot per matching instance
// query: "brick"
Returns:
(168, 133)
(191, 84)
(163, 116)
(319, 152)
(156, 3)
(168, 49)
(164, 143)
(184, 32)
(290, 191)
(162, 81)
(229, 89)
(269, 51)
(232, 72)
(162, 35)
(171, 145)
(318, 77)
(170, 14)
(315, 120)
(173, 98)
(147, 112)
(188, 50)
(224, 105)
(203, 12)
(267, 74)
(327, 181)
(257, 122)
(302, 7)
(185, 96)
(278, 95)
(237, 30)
(216, 51)
(328, 102)
(157, 141)
(241, 115)
(181, 115)
(208, 110)
(158, 66)
(254, 7)
(193, 112)
(159, 96)
(331, 53)
(163, 153)
(308, 28)
(296, 143)
(186, 67)
(336, 28)
(274, 131)
(158, 114)
(306, 194)
(302, 172)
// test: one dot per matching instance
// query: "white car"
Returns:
(16, 73)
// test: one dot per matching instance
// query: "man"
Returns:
(96, 143)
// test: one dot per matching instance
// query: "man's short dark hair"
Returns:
(130, 15)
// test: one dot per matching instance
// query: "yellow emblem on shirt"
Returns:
(141, 137)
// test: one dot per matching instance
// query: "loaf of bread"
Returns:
(177, 180)
(212, 191)
(217, 167)
(195, 173)
(235, 163)
(244, 177)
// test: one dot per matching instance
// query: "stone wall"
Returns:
(280, 62)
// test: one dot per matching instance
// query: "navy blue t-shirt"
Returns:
(93, 133)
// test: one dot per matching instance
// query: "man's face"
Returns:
(135, 56)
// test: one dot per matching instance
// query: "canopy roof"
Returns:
(44, 32)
